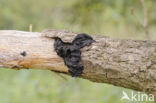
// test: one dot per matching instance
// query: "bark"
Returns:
(125, 63)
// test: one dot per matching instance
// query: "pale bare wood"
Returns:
(125, 63)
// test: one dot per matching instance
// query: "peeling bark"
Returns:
(125, 63)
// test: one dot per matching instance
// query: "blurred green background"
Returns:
(111, 18)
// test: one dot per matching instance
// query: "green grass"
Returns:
(41, 86)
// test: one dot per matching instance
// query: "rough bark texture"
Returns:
(125, 63)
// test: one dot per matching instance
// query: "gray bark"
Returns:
(125, 63)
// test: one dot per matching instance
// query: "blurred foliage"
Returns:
(106, 17)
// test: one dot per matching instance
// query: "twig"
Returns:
(133, 13)
(30, 28)
(145, 23)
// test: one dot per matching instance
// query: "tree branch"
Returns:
(125, 63)
(144, 25)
